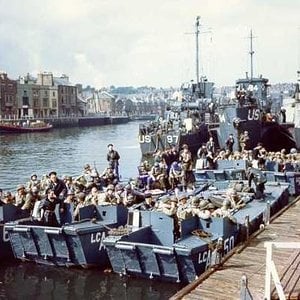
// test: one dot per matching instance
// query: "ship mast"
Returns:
(251, 55)
(197, 31)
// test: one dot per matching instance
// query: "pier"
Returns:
(249, 259)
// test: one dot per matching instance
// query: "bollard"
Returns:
(268, 213)
(247, 224)
(245, 293)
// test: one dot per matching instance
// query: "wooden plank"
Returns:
(224, 283)
(290, 276)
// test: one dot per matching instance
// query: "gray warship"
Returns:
(186, 121)
(251, 111)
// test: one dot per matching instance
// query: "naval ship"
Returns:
(251, 111)
(186, 120)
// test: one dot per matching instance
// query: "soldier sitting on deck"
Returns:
(235, 201)
(108, 176)
(156, 177)
(31, 198)
(109, 197)
(20, 196)
(200, 208)
(175, 174)
(225, 211)
(33, 182)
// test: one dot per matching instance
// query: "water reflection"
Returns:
(28, 281)
(66, 151)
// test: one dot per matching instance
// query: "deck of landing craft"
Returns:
(225, 283)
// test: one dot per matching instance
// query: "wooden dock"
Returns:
(250, 260)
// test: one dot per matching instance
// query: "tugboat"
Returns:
(252, 113)
(186, 119)
(25, 127)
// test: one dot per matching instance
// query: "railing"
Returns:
(271, 272)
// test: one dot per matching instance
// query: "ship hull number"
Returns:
(171, 139)
(205, 257)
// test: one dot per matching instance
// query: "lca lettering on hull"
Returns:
(98, 237)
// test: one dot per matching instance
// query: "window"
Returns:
(45, 102)
(25, 101)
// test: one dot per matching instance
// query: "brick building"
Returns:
(8, 96)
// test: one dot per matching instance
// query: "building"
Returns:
(67, 97)
(8, 97)
(46, 97)
(106, 102)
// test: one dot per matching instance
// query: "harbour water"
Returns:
(66, 151)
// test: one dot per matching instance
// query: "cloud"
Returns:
(86, 69)
(136, 42)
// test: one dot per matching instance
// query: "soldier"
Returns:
(57, 185)
(156, 175)
(183, 210)
(283, 114)
(235, 201)
(186, 161)
(113, 159)
(148, 204)
(70, 186)
(33, 182)
(259, 179)
(210, 145)
(108, 176)
(224, 211)
(70, 197)
(108, 197)
(90, 175)
(199, 208)
(92, 197)
(119, 194)
(176, 174)
(20, 196)
(47, 209)
(244, 141)
(230, 143)
(143, 176)
(31, 198)
(79, 204)
(7, 198)
(201, 157)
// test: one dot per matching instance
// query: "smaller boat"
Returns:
(150, 249)
(26, 126)
(75, 243)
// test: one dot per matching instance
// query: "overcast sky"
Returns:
(139, 42)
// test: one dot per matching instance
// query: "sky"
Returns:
(149, 42)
